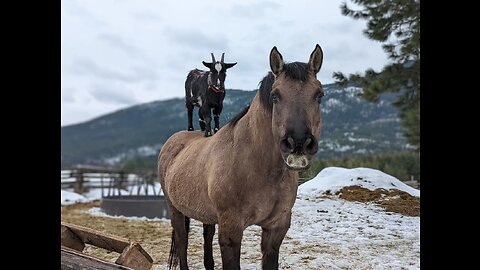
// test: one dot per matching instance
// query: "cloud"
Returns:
(256, 9)
(108, 94)
(119, 43)
(89, 68)
(196, 39)
(146, 17)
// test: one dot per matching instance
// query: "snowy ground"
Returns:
(331, 233)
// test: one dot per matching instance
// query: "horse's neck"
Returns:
(255, 129)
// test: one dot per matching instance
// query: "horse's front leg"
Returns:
(208, 233)
(216, 115)
(230, 234)
(272, 237)
(207, 114)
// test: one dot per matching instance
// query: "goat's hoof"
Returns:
(215, 130)
(208, 133)
(190, 129)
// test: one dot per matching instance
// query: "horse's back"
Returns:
(174, 145)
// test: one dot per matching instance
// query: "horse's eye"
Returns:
(275, 97)
(319, 97)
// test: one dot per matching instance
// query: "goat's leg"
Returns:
(201, 120)
(190, 107)
(216, 115)
(207, 113)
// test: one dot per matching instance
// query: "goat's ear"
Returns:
(208, 65)
(316, 59)
(276, 61)
(229, 65)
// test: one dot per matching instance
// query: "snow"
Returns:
(334, 178)
(68, 197)
(97, 211)
(338, 234)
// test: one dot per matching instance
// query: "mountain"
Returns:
(350, 126)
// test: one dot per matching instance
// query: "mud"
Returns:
(395, 200)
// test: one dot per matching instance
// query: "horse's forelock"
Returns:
(294, 71)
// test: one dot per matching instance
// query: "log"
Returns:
(73, 260)
(98, 239)
(136, 257)
(73, 241)
(69, 239)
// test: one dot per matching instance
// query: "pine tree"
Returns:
(395, 23)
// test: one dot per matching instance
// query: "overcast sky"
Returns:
(118, 53)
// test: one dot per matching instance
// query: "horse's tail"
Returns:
(173, 257)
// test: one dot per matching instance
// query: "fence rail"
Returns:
(84, 179)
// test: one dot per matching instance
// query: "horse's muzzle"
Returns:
(298, 151)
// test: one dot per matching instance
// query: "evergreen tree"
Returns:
(395, 23)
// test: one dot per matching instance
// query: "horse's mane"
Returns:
(294, 71)
(239, 115)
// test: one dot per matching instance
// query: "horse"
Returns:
(206, 89)
(247, 174)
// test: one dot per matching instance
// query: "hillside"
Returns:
(350, 125)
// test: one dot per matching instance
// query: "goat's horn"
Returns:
(213, 59)
(221, 61)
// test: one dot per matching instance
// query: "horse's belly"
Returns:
(192, 200)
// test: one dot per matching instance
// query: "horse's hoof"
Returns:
(208, 133)
(190, 129)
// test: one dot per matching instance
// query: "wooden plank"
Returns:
(69, 239)
(73, 260)
(136, 257)
(99, 239)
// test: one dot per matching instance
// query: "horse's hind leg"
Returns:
(190, 107)
(208, 232)
(179, 237)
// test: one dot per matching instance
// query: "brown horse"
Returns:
(247, 173)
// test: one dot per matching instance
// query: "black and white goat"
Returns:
(206, 89)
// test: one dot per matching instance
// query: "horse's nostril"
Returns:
(307, 143)
(311, 145)
(287, 145)
(291, 143)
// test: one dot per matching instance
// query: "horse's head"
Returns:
(217, 75)
(295, 97)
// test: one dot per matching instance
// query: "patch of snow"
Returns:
(68, 197)
(338, 234)
(344, 148)
(97, 211)
(335, 178)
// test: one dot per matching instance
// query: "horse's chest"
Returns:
(270, 206)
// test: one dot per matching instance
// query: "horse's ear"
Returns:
(208, 65)
(316, 59)
(229, 65)
(276, 61)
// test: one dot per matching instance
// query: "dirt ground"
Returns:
(391, 200)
